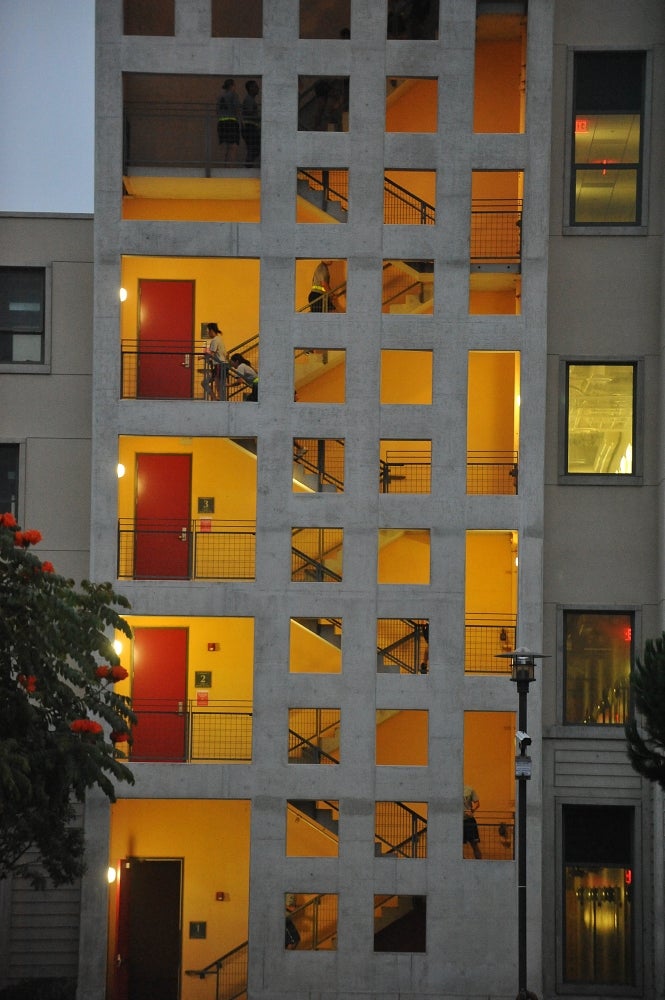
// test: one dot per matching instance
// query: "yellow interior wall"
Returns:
(226, 292)
(232, 664)
(220, 469)
(491, 400)
(489, 754)
(496, 184)
(497, 86)
(327, 388)
(424, 448)
(421, 183)
(401, 739)
(406, 559)
(306, 212)
(406, 377)
(192, 209)
(495, 303)
(412, 107)
(304, 840)
(213, 839)
(491, 574)
(312, 654)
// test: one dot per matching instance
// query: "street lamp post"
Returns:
(522, 672)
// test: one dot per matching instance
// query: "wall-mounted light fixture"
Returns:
(120, 469)
(122, 294)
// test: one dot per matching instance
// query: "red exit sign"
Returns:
(581, 125)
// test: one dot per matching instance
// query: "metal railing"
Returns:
(401, 645)
(406, 472)
(496, 230)
(313, 554)
(314, 735)
(179, 371)
(402, 207)
(332, 185)
(497, 835)
(230, 972)
(321, 459)
(487, 635)
(188, 732)
(201, 550)
(399, 831)
(492, 472)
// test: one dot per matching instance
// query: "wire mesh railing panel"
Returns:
(316, 554)
(484, 640)
(316, 922)
(401, 207)
(332, 184)
(314, 735)
(401, 644)
(497, 836)
(406, 472)
(220, 735)
(496, 232)
(489, 473)
(183, 372)
(225, 555)
(400, 832)
(233, 974)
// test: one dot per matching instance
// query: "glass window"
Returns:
(600, 418)
(9, 458)
(598, 876)
(598, 653)
(22, 315)
(607, 126)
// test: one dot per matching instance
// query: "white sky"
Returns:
(47, 105)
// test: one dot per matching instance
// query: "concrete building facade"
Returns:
(445, 265)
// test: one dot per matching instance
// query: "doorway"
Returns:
(149, 932)
(165, 339)
(159, 694)
(162, 511)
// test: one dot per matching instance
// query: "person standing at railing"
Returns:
(321, 298)
(228, 121)
(216, 365)
(470, 834)
(242, 369)
(251, 123)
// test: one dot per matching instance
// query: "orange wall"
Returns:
(406, 559)
(312, 654)
(402, 739)
(193, 209)
(412, 106)
(213, 840)
(306, 840)
(226, 292)
(492, 387)
(406, 377)
(497, 89)
(232, 664)
(220, 469)
(489, 755)
(491, 574)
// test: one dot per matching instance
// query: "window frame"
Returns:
(569, 227)
(640, 879)
(42, 367)
(20, 472)
(591, 730)
(634, 478)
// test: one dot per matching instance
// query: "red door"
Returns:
(159, 693)
(166, 338)
(162, 517)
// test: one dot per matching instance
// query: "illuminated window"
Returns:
(598, 652)
(322, 196)
(316, 555)
(600, 419)
(401, 737)
(607, 125)
(404, 555)
(406, 377)
(22, 296)
(409, 197)
(598, 877)
(411, 104)
(315, 645)
(318, 465)
(319, 375)
(402, 646)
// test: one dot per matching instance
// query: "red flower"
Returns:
(85, 726)
(31, 537)
(119, 736)
(118, 673)
(103, 672)
(7, 520)
(18, 538)
(48, 567)
(29, 682)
